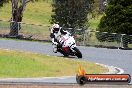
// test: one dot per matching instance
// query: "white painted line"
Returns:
(121, 70)
(112, 69)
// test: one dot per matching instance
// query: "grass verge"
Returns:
(26, 64)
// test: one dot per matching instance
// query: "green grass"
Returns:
(94, 22)
(38, 13)
(26, 64)
(37, 32)
(18, 40)
(4, 24)
(130, 45)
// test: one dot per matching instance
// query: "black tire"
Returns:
(77, 52)
(129, 80)
(81, 80)
(65, 55)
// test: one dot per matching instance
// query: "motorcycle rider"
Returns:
(56, 33)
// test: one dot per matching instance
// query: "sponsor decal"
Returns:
(83, 78)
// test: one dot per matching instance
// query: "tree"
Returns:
(117, 17)
(17, 14)
(71, 13)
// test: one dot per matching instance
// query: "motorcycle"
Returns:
(67, 46)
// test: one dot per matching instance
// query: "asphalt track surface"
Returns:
(112, 57)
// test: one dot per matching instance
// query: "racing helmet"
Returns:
(56, 28)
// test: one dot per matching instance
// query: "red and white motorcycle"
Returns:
(68, 46)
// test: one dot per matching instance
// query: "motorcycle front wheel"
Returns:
(77, 52)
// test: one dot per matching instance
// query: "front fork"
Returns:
(72, 47)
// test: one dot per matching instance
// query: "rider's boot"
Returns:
(54, 48)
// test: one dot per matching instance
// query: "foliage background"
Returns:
(117, 18)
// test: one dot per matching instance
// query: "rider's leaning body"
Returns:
(56, 33)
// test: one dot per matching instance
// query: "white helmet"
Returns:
(56, 28)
